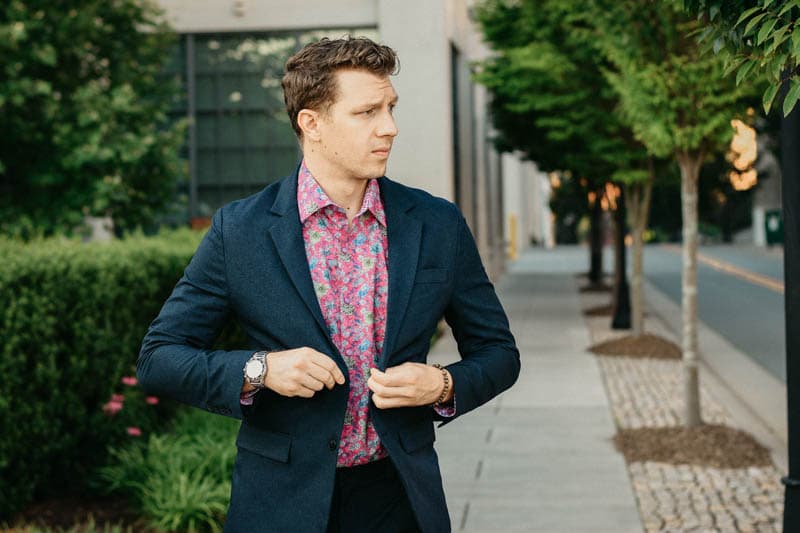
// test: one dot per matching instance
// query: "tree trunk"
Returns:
(622, 296)
(639, 207)
(596, 241)
(689, 163)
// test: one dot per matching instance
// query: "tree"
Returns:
(548, 98)
(756, 39)
(83, 110)
(679, 104)
(551, 100)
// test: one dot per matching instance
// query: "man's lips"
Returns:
(382, 151)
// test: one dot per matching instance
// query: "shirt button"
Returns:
(332, 444)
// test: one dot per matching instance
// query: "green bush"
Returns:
(71, 322)
(181, 480)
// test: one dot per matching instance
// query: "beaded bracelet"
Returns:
(446, 389)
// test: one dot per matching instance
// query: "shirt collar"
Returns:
(311, 198)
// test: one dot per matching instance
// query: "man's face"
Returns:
(357, 132)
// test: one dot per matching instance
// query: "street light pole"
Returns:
(622, 293)
(790, 176)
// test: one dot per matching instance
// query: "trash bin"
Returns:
(773, 222)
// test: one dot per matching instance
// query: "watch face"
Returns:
(254, 369)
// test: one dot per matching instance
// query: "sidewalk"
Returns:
(539, 457)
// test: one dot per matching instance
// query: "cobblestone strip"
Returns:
(678, 498)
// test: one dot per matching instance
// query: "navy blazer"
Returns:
(252, 265)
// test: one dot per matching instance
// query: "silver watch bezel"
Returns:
(258, 379)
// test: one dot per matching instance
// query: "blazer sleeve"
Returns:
(490, 360)
(176, 359)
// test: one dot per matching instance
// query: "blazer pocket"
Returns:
(266, 443)
(431, 275)
(416, 437)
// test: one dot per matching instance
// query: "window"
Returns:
(241, 140)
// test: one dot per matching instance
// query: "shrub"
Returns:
(181, 480)
(71, 322)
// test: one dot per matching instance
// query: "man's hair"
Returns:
(310, 81)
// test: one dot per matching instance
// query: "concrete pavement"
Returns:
(539, 457)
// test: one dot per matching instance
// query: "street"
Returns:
(739, 296)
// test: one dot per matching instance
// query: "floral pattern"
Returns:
(348, 266)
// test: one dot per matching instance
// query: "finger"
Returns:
(305, 392)
(379, 377)
(310, 382)
(322, 374)
(388, 391)
(382, 402)
(329, 364)
(396, 376)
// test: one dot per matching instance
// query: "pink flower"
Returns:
(129, 380)
(119, 398)
(133, 431)
(113, 407)
(152, 400)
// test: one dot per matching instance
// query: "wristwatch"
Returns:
(255, 370)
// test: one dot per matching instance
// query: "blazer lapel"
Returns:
(404, 235)
(287, 234)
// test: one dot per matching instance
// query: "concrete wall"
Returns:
(422, 155)
(427, 34)
(202, 16)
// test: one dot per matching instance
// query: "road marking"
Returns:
(738, 272)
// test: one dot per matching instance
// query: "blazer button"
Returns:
(332, 444)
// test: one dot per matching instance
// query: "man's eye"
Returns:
(369, 111)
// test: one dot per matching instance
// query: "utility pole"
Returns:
(790, 176)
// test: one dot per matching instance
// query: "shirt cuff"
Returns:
(246, 398)
(448, 409)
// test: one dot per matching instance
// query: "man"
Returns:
(339, 277)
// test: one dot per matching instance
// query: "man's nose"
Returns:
(388, 126)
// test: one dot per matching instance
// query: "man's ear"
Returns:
(308, 120)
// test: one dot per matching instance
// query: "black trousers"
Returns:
(370, 498)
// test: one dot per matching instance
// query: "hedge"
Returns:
(72, 318)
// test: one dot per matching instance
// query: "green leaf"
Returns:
(791, 97)
(765, 30)
(744, 16)
(796, 41)
(733, 65)
(778, 37)
(745, 70)
(755, 20)
(789, 5)
(769, 96)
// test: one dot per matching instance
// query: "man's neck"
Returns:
(346, 192)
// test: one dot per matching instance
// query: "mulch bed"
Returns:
(69, 512)
(705, 445)
(646, 345)
(600, 310)
(599, 287)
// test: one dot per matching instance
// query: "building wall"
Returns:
(442, 114)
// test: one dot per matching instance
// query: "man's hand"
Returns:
(301, 372)
(406, 385)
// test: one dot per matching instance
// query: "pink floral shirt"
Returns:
(348, 265)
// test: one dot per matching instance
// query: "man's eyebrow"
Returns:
(378, 103)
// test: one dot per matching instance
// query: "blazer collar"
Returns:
(404, 235)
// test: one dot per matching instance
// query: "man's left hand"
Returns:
(406, 385)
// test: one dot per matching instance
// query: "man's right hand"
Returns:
(301, 372)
